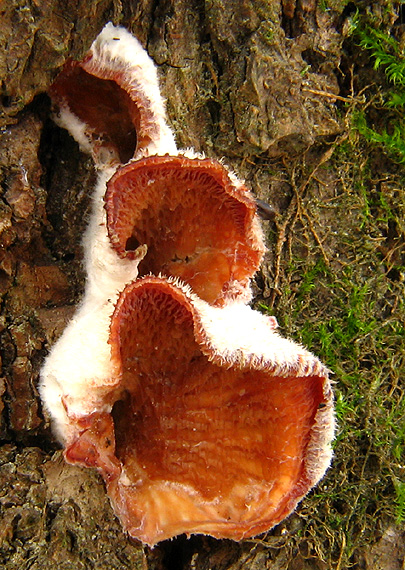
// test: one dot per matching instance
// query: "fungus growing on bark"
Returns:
(209, 426)
(110, 102)
(199, 416)
(197, 220)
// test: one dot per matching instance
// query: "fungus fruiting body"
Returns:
(209, 426)
(197, 220)
(198, 414)
(111, 103)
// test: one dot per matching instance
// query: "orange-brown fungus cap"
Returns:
(202, 448)
(112, 118)
(197, 223)
(118, 116)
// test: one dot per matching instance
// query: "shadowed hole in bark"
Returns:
(68, 182)
(179, 551)
(314, 59)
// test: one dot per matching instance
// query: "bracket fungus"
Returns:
(200, 417)
(210, 426)
(197, 220)
(110, 101)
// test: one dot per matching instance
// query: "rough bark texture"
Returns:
(249, 80)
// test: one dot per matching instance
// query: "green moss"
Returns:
(336, 5)
(387, 54)
(400, 501)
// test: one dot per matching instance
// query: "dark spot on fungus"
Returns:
(132, 244)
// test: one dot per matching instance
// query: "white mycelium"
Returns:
(81, 357)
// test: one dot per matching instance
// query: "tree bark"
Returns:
(252, 81)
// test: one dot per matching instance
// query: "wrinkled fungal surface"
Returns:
(197, 436)
(199, 223)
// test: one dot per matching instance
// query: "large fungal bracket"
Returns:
(199, 416)
(199, 223)
(195, 446)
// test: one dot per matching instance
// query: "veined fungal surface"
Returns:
(210, 427)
